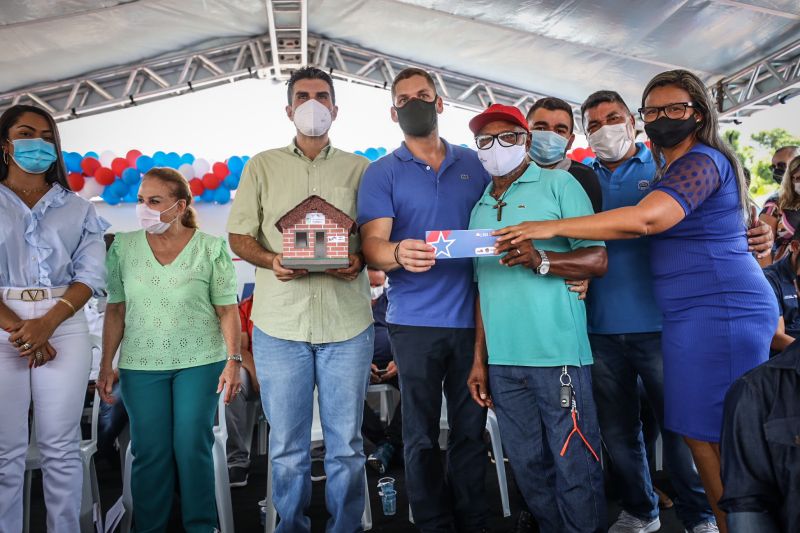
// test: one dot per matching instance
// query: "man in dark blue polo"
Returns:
(625, 334)
(782, 277)
(429, 184)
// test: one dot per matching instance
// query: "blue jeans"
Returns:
(618, 360)
(565, 494)
(111, 420)
(288, 372)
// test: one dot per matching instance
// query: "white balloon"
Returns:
(106, 158)
(201, 167)
(187, 170)
(91, 189)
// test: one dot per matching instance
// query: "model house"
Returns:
(316, 236)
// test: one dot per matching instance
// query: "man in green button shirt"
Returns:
(531, 346)
(311, 329)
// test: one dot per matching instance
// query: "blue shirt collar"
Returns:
(405, 155)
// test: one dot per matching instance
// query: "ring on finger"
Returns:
(27, 346)
(39, 357)
(19, 342)
(518, 252)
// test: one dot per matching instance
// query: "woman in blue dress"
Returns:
(719, 312)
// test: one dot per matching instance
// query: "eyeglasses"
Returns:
(780, 167)
(675, 111)
(505, 139)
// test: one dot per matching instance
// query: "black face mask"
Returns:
(667, 132)
(417, 117)
(777, 174)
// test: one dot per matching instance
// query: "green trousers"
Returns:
(171, 422)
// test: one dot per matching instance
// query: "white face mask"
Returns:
(376, 292)
(797, 188)
(500, 160)
(150, 219)
(312, 118)
(611, 142)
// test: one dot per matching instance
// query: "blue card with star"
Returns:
(456, 244)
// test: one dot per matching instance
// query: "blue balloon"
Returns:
(198, 199)
(187, 159)
(588, 161)
(160, 159)
(144, 163)
(118, 188)
(208, 195)
(109, 197)
(382, 151)
(222, 195)
(172, 160)
(235, 165)
(73, 161)
(372, 154)
(92, 154)
(133, 195)
(359, 152)
(231, 182)
(130, 176)
(246, 158)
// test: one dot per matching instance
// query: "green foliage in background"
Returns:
(761, 182)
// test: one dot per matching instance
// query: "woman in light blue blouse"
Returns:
(51, 261)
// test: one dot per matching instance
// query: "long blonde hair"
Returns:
(788, 197)
(180, 189)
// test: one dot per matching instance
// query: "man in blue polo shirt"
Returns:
(429, 184)
(625, 334)
(782, 276)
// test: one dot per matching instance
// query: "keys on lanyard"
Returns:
(567, 401)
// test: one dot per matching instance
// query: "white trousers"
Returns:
(57, 391)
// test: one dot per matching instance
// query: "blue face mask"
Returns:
(547, 147)
(34, 156)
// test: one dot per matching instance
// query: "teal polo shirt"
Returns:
(533, 320)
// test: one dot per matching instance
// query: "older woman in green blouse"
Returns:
(172, 304)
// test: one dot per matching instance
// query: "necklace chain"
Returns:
(28, 191)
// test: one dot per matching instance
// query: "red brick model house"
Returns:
(316, 236)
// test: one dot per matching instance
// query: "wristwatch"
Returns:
(235, 357)
(544, 267)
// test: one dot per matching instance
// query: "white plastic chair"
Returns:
(90, 495)
(222, 490)
(387, 394)
(497, 450)
(317, 437)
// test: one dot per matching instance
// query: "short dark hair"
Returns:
(602, 97)
(409, 73)
(309, 73)
(552, 103)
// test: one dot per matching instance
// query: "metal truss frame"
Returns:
(766, 83)
(288, 46)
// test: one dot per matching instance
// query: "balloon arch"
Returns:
(116, 179)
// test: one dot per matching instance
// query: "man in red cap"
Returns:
(532, 357)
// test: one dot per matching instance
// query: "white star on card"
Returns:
(445, 250)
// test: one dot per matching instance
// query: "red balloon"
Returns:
(89, 165)
(197, 187)
(118, 165)
(220, 170)
(211, 181)
(131, 157)
(76, 181)
(104, 176)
